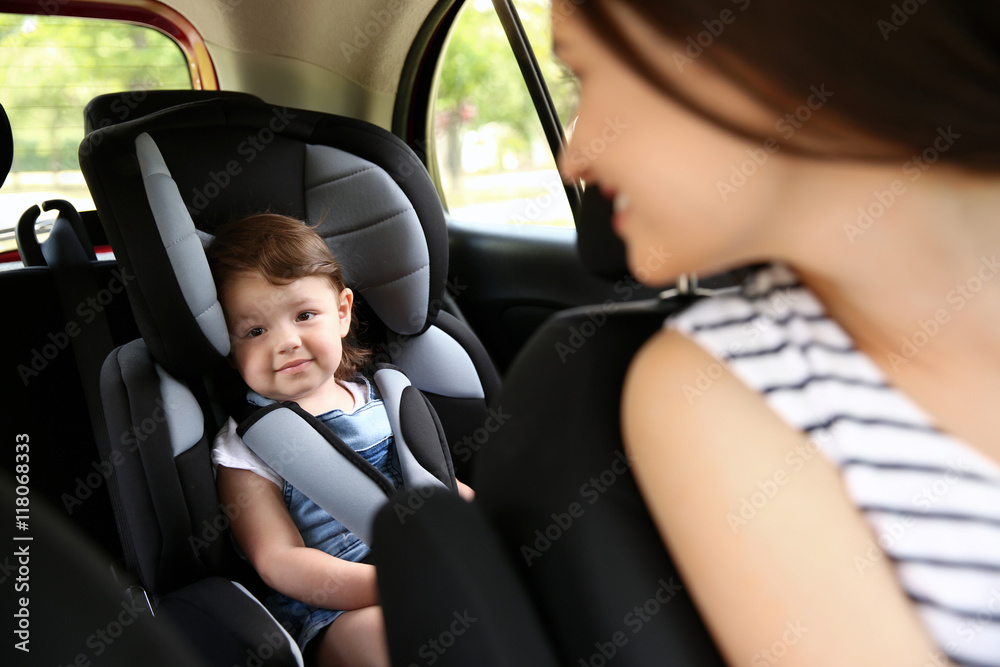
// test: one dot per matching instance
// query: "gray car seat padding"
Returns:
(340, 189)
(311, 457)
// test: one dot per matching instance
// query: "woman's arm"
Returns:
(266, 534)
(782, 579)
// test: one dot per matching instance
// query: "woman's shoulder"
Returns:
(675, 385)
(722, 473)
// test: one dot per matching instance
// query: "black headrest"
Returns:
(6, 145)
(114, 108)
(602, 252)
(161, 179)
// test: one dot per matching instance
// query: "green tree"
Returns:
(51, 66)
(480, 82)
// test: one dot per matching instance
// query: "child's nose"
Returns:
(289, 339)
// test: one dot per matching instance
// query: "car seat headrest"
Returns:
(113, 108)
(165, 181)
(183, 245)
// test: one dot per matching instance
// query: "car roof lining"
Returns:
(366, 43)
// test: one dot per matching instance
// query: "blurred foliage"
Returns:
(480, 82)
(51, 66)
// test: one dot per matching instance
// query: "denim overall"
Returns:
(367, 432)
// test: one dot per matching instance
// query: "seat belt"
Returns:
(317, 462)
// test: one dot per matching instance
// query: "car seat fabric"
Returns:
(168, 515)
(77, 613)
(559, 500)
(337, 478)
(574, 520)
(172, 526)
(449, 594)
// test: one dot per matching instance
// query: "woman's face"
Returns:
(689, 197)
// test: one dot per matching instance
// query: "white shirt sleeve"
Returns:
(230, 451)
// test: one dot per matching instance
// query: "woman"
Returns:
(821, 452)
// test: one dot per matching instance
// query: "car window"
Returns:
(50, 67)
(493, 159)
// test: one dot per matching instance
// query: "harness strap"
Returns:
(317, 462)
(408, 424)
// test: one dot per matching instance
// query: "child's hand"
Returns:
(465, 491)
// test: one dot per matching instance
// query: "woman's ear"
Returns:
(345, 309)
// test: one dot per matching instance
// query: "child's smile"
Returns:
(293, 367)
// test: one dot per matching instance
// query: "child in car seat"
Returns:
(289, 314)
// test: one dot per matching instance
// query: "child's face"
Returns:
(287, 339)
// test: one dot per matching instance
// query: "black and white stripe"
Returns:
(933, 501)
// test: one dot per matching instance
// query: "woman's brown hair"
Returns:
(281, 250)
(900, 74)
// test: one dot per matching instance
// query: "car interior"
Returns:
(518, 335)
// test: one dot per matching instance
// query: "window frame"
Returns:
(418, 87)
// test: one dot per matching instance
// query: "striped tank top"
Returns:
(932, 501)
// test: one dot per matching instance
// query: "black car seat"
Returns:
(163, 181)
(62, 297)
(79, 313)
(68, 606)
(566, 564)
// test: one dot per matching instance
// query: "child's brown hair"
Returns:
(281, 250)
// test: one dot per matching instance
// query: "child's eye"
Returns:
(308, 315)
(256, 331)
